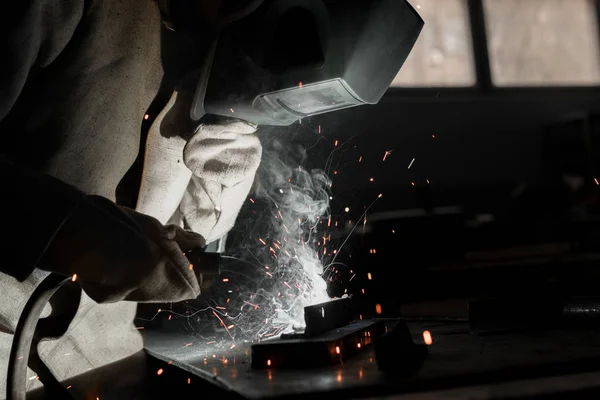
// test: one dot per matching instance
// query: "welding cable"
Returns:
(28, 333)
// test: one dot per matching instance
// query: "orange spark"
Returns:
(319, 128)
(358, 345)
(371, 179)
(378, 309)
(262, 241)
(222, 323)
(146, 117)
(596, 180)
(269, 363)
(337, 350)
(250, 198)
(74, 278)
(231, 109)
(159, 372)
(427, 338)
(299, 84)
(387, 153)
(225, 280)
(189, 380)
(360, 159)
(335, 144)
(191, 267)
(369, 277)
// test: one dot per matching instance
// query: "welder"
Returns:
(83, 83)
(119, 151)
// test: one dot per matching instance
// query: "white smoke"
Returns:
(298, 200)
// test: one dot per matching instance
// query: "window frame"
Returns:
(484, 85)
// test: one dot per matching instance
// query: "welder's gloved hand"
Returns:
(223, 158)
(120, 254)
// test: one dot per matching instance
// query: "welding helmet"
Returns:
(277, 61)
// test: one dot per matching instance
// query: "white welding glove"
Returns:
(223, 158)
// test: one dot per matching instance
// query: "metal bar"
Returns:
(327, 316)
(328, 349)
(480, 45)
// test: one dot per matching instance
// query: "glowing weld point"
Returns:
(159, 372)
(74, 278)
(427, 338)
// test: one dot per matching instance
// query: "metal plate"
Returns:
(455, 359)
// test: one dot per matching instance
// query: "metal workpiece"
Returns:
(396, 351)
(313, 351)
(324, 317)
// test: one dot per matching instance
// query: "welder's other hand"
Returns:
(226, 152)
(120, 254)
(223, 158)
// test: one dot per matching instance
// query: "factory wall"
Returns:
(467, 145)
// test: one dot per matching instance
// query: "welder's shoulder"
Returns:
(32, 34)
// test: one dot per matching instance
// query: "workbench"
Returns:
(459, 365)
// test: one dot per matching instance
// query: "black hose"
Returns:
(27, 333)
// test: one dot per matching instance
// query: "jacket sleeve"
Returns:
(32, 205)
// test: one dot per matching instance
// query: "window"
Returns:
(442, 55)
(542, 42)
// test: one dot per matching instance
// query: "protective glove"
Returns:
(120, 254)
(223, 158)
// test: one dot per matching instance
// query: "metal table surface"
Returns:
(456, 358)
